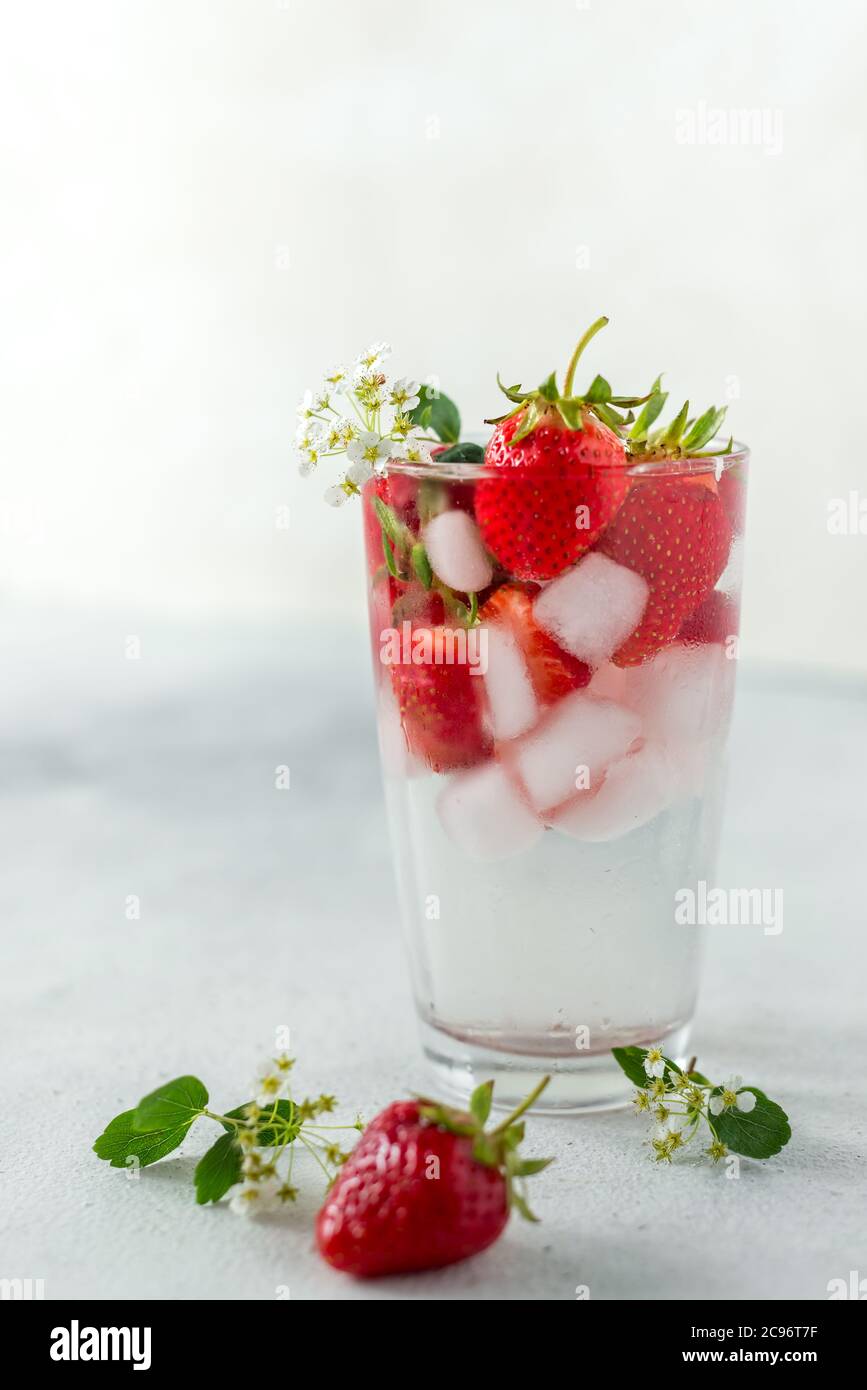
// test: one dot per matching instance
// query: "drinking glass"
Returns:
(542, 837)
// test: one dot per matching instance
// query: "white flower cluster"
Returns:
(678, 1103)
(363, 414)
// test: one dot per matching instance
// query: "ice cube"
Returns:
(512, 704)
(685, 693)
(592, 608)
(634, 790)
(579, 732)
(611, 682)
(483, 812)
(454, 548)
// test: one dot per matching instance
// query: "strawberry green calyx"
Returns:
(496, 1148)
(571, 408)
(684, 437)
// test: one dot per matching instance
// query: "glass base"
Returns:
(579, 1081)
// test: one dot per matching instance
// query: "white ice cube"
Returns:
(634, 790)
(457, 556)
(484, 814)
(512, 705)
(685, 693)
(580, 732)
(611, 683)
(591, 609)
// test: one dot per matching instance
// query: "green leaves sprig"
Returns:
(246, 1155)
(740, 1119)
(684, 437)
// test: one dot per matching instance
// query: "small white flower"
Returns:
(269, 1085)
(369, 448)
(253, 1198)
(404, 395)
(310, 434)
(335, 495)
(417, 451)
(307, 407)
(654, 1062)
(322, 400)
(371, 390)
(359, 473)
(373, 359)
(731, 1098)
(337, 380)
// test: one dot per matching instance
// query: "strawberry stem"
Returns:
(523, 1107)
(570, 370)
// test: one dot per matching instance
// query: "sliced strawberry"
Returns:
(715, 620)
(553, 671)
(554, 492)
(677, 537)
(440, 706)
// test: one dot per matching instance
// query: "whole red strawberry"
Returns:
(555, 492)
(424, 1187)
(557, 473)
(677, 536)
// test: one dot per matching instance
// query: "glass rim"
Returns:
(689, 466)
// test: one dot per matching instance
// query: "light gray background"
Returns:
(204, 204)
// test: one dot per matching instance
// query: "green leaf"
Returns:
(531, 415)
(270, 1136)
(119, 1141)
(548, 390)
(698, 1078)
(473, 610)
(421, 565)
(673, 434)
(526, 1167)
(480, 1101)
(514, 393)
(218, 1170)
(485, 1152)
(758, 1134)
(649, 413)
(598, 391)
(572, 412)
(176, 1103)
(390, 562)
(462, 453)
(444, 418)
(520, 1205)
(611, 417)
(631, 1061)
(704, 428)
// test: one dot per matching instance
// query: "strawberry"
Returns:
(553, 671)
(556, 473)
(715, 620)
(529, 514)
(677, 537)
(424, 1187)
(440, 705)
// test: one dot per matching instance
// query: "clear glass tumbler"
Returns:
(553, 759)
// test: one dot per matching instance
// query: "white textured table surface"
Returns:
(258, 907)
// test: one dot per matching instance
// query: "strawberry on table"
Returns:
(553, 671)
(425, 1186)
(677, 537)
(558, 471)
